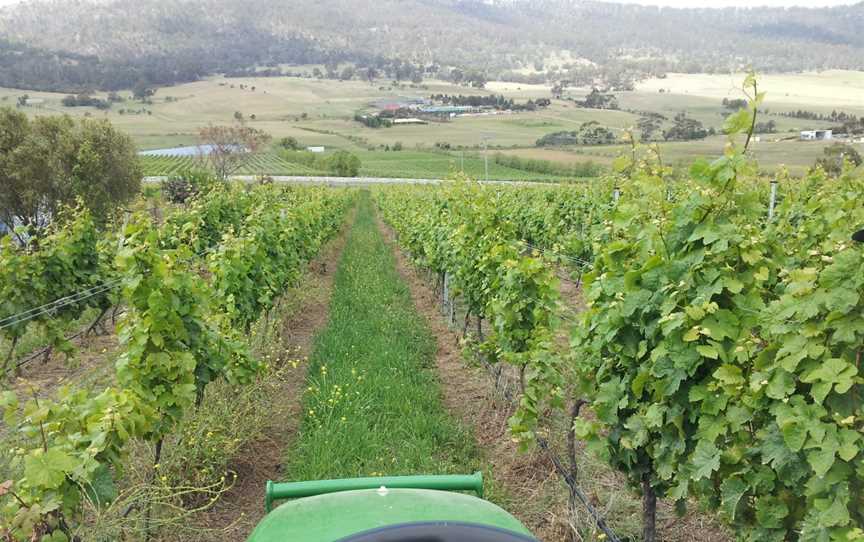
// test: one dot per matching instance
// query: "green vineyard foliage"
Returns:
(258, 164)
(70, 258)
(720, 351)
(182, 330)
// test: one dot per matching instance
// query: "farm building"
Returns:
(315, 149)
(816, 135)
(401, 102)
(445, 109)
(409, 121)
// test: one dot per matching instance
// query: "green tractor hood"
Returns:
(386, 509)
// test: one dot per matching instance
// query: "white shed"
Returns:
(816, 135)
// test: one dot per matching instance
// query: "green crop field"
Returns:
(433, 165)
(168, 165)
(396, 164)
(259, 164)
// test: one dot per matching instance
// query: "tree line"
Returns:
(468, 42)
(834, 116)
(498, 102)
(590, 133)
(548, 167)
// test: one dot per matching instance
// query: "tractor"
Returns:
(386, 509)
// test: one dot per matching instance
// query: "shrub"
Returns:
(183, 186)
(289, 143)
(836, 156)
(52, 161)
(344, 164)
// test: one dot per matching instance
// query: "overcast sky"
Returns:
(689, 3)
(740, 3)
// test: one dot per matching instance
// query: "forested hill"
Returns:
(75, 44)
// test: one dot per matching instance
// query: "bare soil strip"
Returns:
(532, 489)
(45, 374)
(241, 508)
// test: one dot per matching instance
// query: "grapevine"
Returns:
(178, 334)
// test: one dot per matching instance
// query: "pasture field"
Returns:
(796, 156)
(505, 130)
(320, 112)
(825, 91)
(709, 110)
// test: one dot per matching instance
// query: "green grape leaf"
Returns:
(48, 469)
(729, 375)
(708, 351)
(833, 372)
(101, 490)
(770, 512)
(731, 490)
(705, 459)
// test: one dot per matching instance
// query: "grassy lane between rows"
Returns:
(373, 404)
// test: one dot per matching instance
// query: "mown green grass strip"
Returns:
(373, 404)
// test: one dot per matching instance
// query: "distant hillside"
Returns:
(76, 44)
